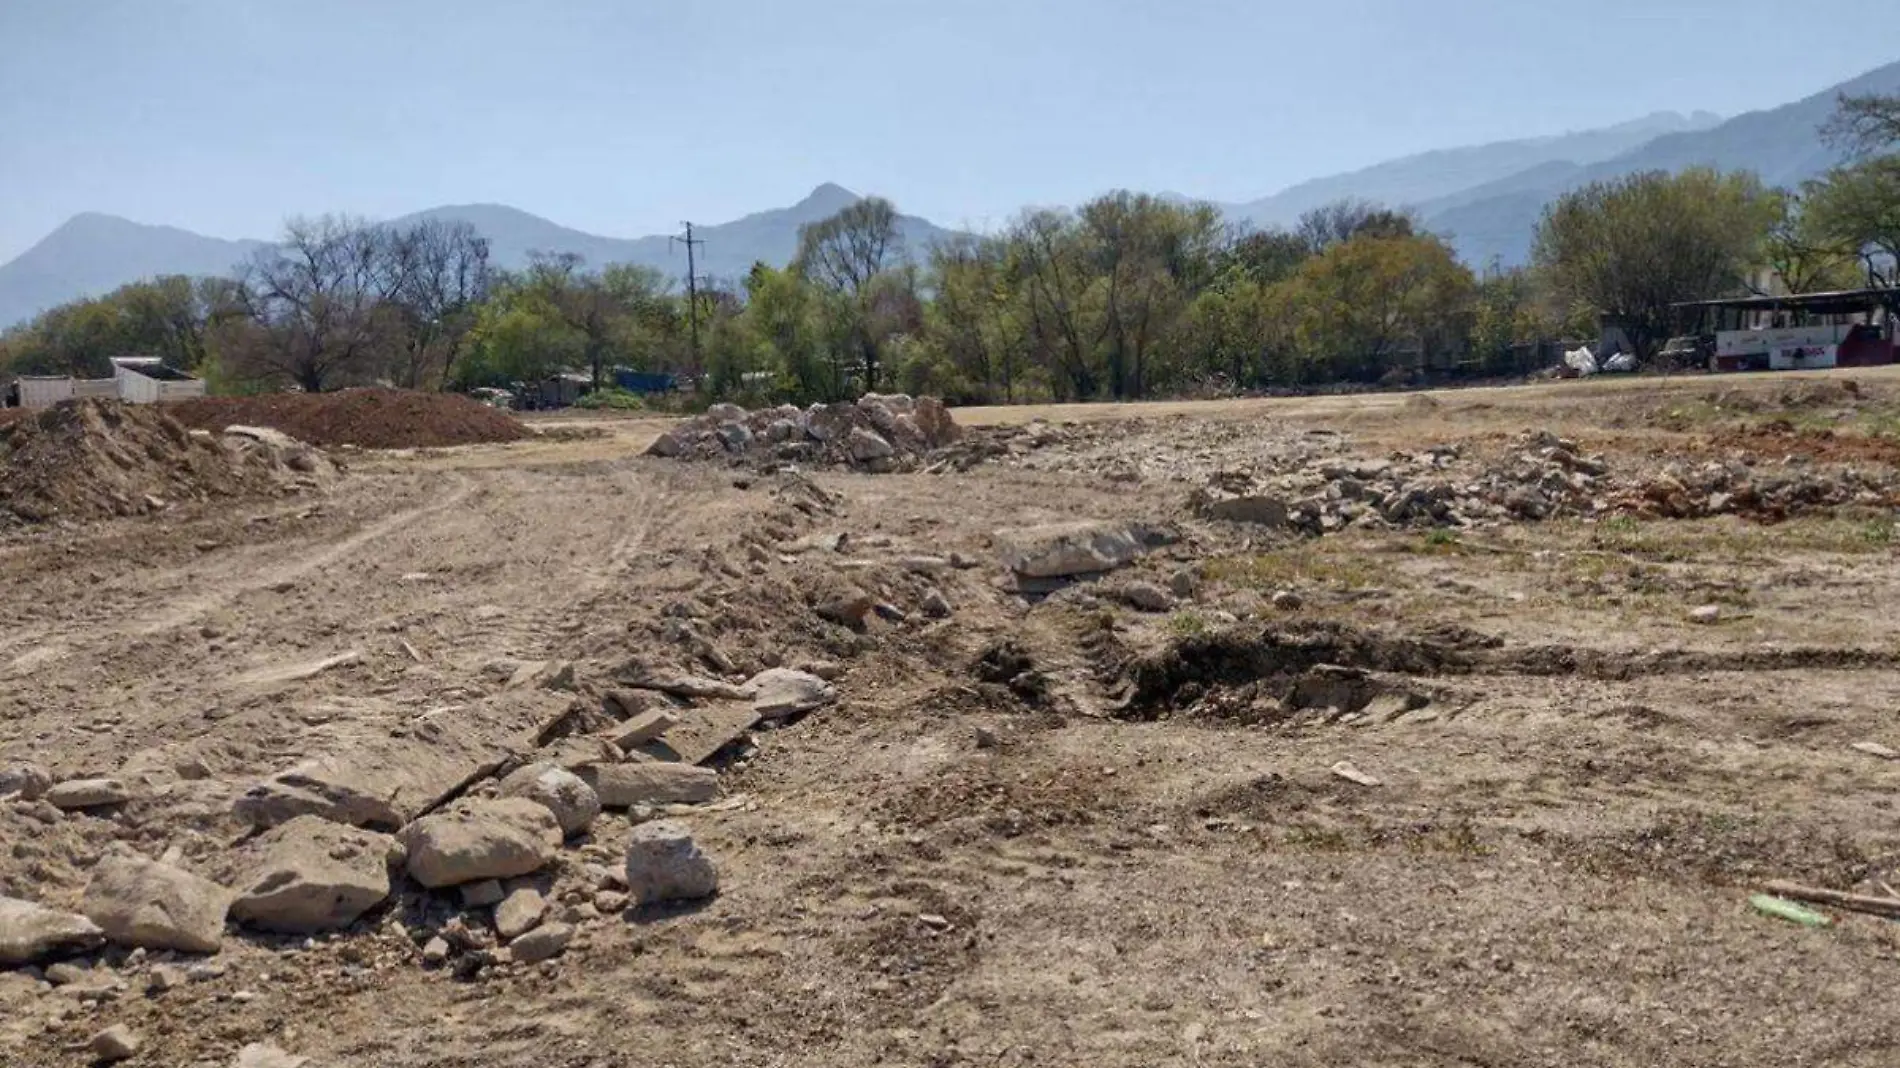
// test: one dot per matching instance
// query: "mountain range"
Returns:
(1486, 199)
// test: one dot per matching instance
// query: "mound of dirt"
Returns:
(891, 432)
(91, 459)
(367, 418)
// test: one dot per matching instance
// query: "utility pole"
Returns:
(692, 287)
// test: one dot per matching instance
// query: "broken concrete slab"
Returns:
(148, 905)
(642, 728)
(683, 685)
(31, 932)
(313, 875)
(702, 732)
(325, 788)
(75, 794)
(622, 786)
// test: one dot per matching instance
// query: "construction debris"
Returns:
(878, 433)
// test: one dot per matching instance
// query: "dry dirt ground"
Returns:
(1123, 846)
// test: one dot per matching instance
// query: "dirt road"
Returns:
(1481, 795)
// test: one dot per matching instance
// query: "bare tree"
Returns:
(847, 250)
(1342, 220)
(443, 277)
(316, 297)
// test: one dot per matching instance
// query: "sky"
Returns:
(623, 117)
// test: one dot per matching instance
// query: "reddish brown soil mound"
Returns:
(369, 418)
(92, 459)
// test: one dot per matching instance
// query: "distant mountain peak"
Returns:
(827, 198)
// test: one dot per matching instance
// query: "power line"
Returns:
(692, 286)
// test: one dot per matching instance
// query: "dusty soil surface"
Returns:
(1488, 790)
(367, 418)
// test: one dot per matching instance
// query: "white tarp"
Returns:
(1581, 360)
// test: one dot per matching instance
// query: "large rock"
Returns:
(144, 903)
(86, 793)
(563, 793)
(651, 783)
(1263, 509)
(319, 788)
(867, 445)
(30, 932)
(1066, 550)
(314, 876)
(29, 780)
(781, 692)
(665, 864)
(496, 839)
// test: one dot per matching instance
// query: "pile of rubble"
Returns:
(1546, 478)
(93, 459)
(1543, 477)
(503, 865)
(879, 433)
(1774, 492)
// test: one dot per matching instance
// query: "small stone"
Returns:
(87, 793)
(482, 894)
(115, 1043)
(542, 943)
(610, 902)
(1345, 770)
(265, 1055)
(1184, 582)
(1706, 614)
(1145, 596)
(519, 912)
(164, 977)
(563, 793)
(435, 951)
(936, 605)
(987, 738)
(665, 864)
(1287, 600)
(66, 972)
(1875, 749)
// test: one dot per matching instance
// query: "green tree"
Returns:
(1373, 304)
(848, 255)
(1633, 247)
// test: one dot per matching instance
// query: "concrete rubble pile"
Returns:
(1544, 477)
(587, 816)
(877, 433)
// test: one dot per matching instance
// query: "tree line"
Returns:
(1128, 296)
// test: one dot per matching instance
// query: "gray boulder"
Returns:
(144, 903)
(30, 932)
(314, 876)
(563, 793)
(665, 864)
(543, 943)
(496, 839)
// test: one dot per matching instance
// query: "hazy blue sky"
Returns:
(622, 116)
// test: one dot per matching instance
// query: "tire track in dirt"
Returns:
(180, 612)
